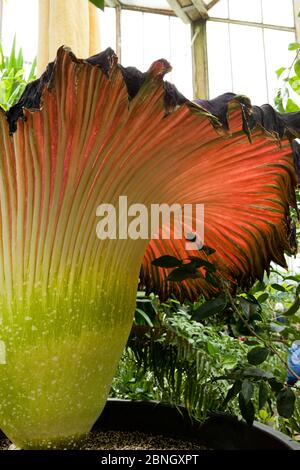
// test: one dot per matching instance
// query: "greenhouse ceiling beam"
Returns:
(159, 11)
(177, 8)
(112, 3)
(252, 23)
(212, 4)
(201, 8)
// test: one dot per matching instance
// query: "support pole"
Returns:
(199, 55)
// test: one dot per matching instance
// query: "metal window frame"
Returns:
(263, 26)
(198, 36)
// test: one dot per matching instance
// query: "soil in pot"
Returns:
(128, 440)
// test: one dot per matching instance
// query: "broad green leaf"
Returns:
(293, 46)
(199, 263)
(233, 392)
(262, 395)
(212, 349)
(209, 308)
(280, 71)
(258, 287)
(286, 402)
(167, 261)
(247, 409)
(180, 274)
(250, 306)
(263, 297)
(293, 308)
(279, 102)
(278, 287)
(296, 277)
(247, 390)
(208, 250)
(297, 68)
(257, 355)
(275, 385)
(291, 106)
(212, 280)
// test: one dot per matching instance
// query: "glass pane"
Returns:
(156, 38)
(220, 10)
(148, 37)
(21, 19)
(219, 64)
(245, 10)
(277, 55)
(108, 28)
(248, 65)
(181, 57)
(278, 12)
(132, 39)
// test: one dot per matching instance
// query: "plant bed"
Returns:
(143, 425)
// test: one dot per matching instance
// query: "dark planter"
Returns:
(220, 431)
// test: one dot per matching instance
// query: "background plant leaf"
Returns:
(167, 261)
(209, 308)
(257, 355)
(247, 409)
(286, 402)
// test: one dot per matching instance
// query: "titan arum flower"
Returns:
(84, 134)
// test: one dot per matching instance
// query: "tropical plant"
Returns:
(13, 78)
(88, 132)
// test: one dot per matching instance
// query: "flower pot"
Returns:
(220, 431)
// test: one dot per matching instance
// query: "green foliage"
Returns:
(234, 361)
(287, 97)
(189, 268)
(211, 307)
(286, 402)
(13, 79)
(257, 355)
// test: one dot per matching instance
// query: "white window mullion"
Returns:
(297, 19)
